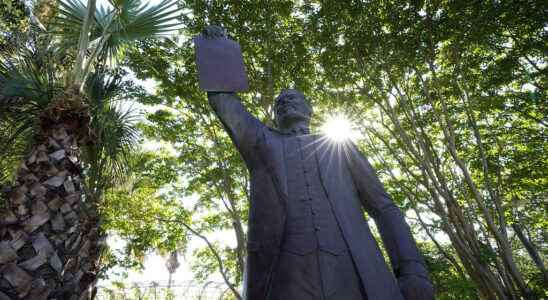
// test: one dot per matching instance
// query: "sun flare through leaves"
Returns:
(339, 128)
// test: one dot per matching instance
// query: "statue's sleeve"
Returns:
(394, 230)
(240, 125)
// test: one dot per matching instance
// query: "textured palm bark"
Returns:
(49, 239)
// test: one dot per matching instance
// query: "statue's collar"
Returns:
(298, 130)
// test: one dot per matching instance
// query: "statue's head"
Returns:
(291, 108)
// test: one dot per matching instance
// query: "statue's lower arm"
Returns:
(406, 261)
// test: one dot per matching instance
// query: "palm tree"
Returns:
(172, 263)
(50, 239)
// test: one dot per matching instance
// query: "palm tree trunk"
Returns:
(49, 242)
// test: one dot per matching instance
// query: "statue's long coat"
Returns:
(350, 184)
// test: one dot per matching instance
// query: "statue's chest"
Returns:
(301, 168)
(303, 181)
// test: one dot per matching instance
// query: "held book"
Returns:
(220, 65)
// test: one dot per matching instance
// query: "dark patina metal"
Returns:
(307, 235)
(220, 64)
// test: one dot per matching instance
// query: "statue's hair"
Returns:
(285, 92)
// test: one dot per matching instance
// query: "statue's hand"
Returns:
(214, 32)
(416, 288)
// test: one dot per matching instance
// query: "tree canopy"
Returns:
(447, 97)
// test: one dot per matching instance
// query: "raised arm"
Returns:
(221, 71)
(408, 265)
(240, 125)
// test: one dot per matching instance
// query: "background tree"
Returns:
(172, 263)
(440, 115)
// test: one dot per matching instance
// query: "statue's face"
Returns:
(291, 107)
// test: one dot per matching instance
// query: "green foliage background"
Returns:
(449, 98)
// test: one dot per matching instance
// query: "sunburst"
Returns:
(338, 128)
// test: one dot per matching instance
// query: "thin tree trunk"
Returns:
(415, 201)
(466, 240)
(233, 210)
(460, 238)
(531, 249)
(222, 268)
(449, 135)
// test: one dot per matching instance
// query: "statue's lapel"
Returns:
(330, 157)
(274, 153)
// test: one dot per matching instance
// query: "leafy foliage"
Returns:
(446, 97)
(13, 21)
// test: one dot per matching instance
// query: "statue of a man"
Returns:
(307, 235)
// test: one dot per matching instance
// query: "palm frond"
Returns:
(114, 127)
(114, 27)
(104, 16)
(141, 21)
(136, 21)
(28, 83)
(103, 87)
(68, 23)
(27, 78)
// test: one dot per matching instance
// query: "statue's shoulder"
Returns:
(318, 136)
(273, 132)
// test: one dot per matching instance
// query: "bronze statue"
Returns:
(307, 236)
